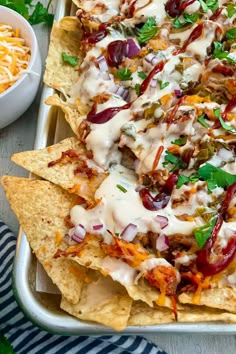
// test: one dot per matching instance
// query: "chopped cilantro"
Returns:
(231, 10)
(215, 177)
(137, 89)
(182, 179)
(224, 125)
(174, 160)
(34, 13)
(203, 233)
(209, 4)
(148, 30)
(69, 59)
(117, 234)
(202, 121)
(121, 188)
(124, 74)
(203, 5)
(231, 34)
(142, 75)
(163, 84)
(187, 20)
(180, 142)
(219, 53)
(5, 346)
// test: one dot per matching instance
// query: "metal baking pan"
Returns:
(42, 308)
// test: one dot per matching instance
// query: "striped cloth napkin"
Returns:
(25, 338)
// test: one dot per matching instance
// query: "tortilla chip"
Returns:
(72, 115)
(59, 75)
(41, 208)
(204, 314)
(224, 298)
(92, 256)
(144, 315)
(37, 161)
(103, 301)
(70, 23)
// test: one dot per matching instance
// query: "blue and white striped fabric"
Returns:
(28, 339)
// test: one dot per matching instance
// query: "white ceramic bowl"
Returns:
(15, 100)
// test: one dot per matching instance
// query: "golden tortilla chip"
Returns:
(143, 315)
(60, 75)
(204, 314)
(103, 301)
(72, 115)
(70, 23)
(37, 161)
(223, 298)
(92, 256)
(41, 208)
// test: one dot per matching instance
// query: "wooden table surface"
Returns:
(19, 136)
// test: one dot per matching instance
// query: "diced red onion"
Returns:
(153, 85)
(102, 63)
(129, 232)
(133, 48)
(77, 233)
(98, 227)
(152, 59)
(178, 93)
(162, 243)
(120, 91)
(162, 220)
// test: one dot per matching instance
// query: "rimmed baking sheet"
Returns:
(43, 309)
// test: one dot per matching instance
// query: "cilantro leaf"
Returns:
(148, 30)
(124, 74)
(220, 53)
(231, 34)
(5, 346)
(137, 89)
(163, 84)
(202, 121)
(182, 179)
(188, 19)
(69, 59)
(142, 75)
(224, 125)
(215, 177)
(203, 233)
(174, 160)
(213, 5)
(180, 142)
(231, 10)
(33, 13)
(203, 5)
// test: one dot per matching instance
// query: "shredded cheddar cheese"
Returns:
(14, 56)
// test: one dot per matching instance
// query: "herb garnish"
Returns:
(33, 13)
(220, 53)
(142, 75)
(203, 233)
(124, 74)
(148, 30)
(121, 188)
(69, 59)
(213, 176)
(231, 10)
(163, 84)
(209, 4)
(180, 142)
(174, 160)
(231, 34)
(202, 121)
(188, 19)
(137, 89)
(5, 346)
(224, 125)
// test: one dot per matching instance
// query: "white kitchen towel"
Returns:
(26, 338)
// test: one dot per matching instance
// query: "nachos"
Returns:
(150, 94)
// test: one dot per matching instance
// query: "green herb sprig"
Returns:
(69, 59)
(203, 233)
(34, 13)
(148, 30)
(124, 74)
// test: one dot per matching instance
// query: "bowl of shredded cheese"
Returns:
(20, 66)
